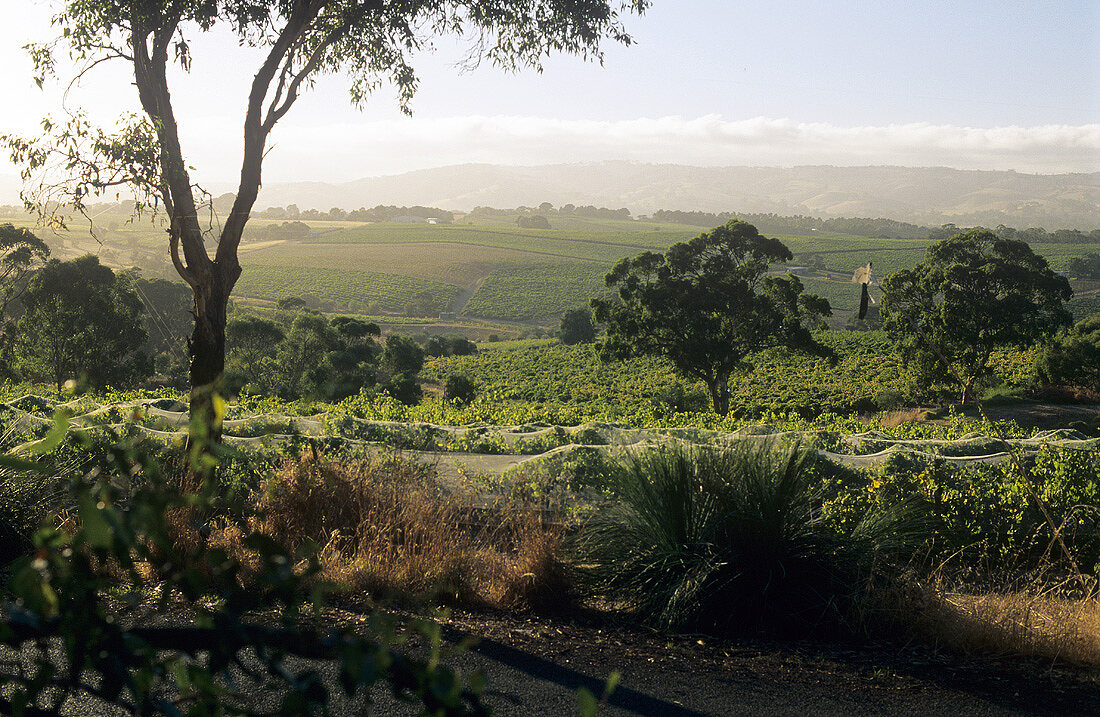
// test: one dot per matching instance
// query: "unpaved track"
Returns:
(535, 666)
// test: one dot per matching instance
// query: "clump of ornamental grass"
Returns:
(735, 541)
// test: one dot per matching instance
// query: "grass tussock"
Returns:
(735, 541)
(386, 529)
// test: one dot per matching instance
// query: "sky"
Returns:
(971, 84)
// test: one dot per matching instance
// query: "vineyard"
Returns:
(513, 273)
(569, 384)
(345, 287)
(537, 291)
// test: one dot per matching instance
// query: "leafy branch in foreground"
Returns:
(85, 616)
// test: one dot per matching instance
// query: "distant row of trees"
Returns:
(380, 213)
(868, 227)
(547, 209)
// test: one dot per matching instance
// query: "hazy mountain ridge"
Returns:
(923, 195)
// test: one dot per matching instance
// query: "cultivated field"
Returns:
(488, 270)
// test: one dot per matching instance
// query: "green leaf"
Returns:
(53, 438)
(586, 702)
(612, 682)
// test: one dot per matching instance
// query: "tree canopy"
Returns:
(21, 252)
(80, 320)
(973, 293)
(577, 327)
(708, 304)
(1073, 357)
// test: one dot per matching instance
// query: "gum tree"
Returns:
(973, 293)
(371, 42)
(708, 304)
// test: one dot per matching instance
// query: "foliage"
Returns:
(291, 303)
(319, 360)
(449, 346)
(734, 540)
(1086, 267)
(21, 252)
(983, 515)
(577, 327)
(78, 613)
(405, 389)
(80, 320)
(1073, 357)
(973, 293)
(706, 305)
(402, 355)
(459, 388)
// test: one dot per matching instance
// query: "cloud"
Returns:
(346, 151)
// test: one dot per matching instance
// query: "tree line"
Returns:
(876, 228)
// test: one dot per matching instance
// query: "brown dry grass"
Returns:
(1009, 624)
(893, 419)
(388, 532)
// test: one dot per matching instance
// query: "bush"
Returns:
(459, 388)
(577, 327)
(888, 399)
(405, 389)
(734, 541)
(1073, 358)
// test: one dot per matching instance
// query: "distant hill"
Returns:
(922, 195)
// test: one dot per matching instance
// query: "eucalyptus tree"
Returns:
(372, 42)
(708, 304)
(973, 294)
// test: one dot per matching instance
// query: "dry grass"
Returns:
(893, 419)
(387, 531)
(1011, 624)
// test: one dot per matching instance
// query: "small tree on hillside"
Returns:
(973, 293)
(707, 304)
(80, 320)
(402, 355)
(253, 342)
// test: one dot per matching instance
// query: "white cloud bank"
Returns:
(347, 151)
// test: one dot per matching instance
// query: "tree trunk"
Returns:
(719, 395)
(207, 350)
(968, 390)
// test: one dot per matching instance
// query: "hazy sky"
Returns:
(966, 83)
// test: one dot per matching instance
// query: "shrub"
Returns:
(733, 541)
(459, 388)
(1073, 358)
(405, 389)
(888, 399)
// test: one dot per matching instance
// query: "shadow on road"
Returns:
(623, 698)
